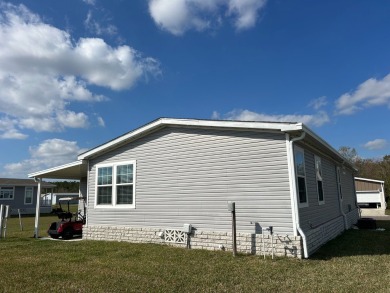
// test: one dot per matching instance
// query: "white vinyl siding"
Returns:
(318, 214)
(28, 195)
(319, 176)
(115, 185)
(7, 193)
(299, 158)
(189, 175)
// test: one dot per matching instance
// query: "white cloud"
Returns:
(50, 153)
(246, 12)
(90, 2)
(72, 119)
(376, 144)
(43, 70)
(13, 134)
(318, 103)
(372, 92)
(318, 119)
(97, 28)
(179, 16)
(101, 121)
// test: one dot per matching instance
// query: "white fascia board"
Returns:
(277, 126)
(58, 168)
(369, 180)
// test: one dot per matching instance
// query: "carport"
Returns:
(77, 170)
(370, 196)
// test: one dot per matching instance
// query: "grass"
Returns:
(357, 261)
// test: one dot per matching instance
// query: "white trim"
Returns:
(280, 126)
(369, 180)
(86, 204)
(291, 180)
(319, 178)
(25, 194)
(114, 184)
(301, 204)
(295, 194)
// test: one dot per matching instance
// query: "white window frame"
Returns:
(319, 178)
(306, 203)
(114, 185)
(30, 188)
(339, 185)
(7, 187)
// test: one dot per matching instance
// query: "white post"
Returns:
(1, 219)
(37, 208)
(20, 220)
(5, 220)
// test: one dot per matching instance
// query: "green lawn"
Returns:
(357, 261)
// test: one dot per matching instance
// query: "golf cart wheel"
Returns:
(67, 234)
(54, 236)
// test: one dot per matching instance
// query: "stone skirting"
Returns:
(284, 245)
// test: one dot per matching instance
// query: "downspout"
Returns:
(294, 190)
(338, 172)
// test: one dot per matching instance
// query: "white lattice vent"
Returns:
(175, 236)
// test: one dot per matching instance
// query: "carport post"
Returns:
(37, 208)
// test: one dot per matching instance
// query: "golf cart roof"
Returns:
(70, 198)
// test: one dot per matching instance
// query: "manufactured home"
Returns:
(173, 181)
(370, 196)
(21, 195)
(54, 198)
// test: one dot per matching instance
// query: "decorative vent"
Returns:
(174, 236)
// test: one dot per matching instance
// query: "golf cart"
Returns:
(70, 224)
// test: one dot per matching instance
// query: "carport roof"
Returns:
(75, 170)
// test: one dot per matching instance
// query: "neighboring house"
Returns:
(21, 194)
(53, 198)
(370, 196)
(146, 185)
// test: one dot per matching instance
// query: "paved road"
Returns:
(379, 218)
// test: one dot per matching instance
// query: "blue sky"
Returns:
(75, 74)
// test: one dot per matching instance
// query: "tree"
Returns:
(349, 153)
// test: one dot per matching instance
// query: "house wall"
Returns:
(316, 214)
(323, 222)
(18, 202)
(349, 202)
(189, 175)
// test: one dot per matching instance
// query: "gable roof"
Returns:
(78, 169)
(292, 128)
(23, 182)
(192, 123)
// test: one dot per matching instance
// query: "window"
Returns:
(6, 193)
(339, 183)
(28, 195)
(320, 188)
(299, 157)
(115, 185)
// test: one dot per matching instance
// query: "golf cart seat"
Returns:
(64, 215)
